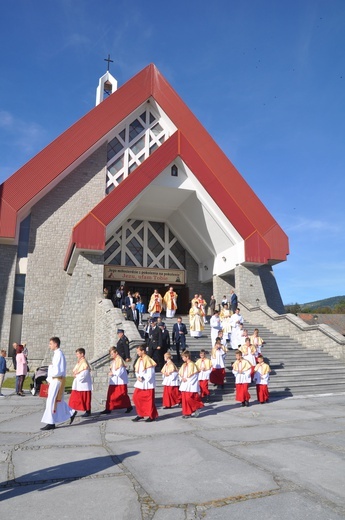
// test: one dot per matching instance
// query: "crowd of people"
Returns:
(185, 382)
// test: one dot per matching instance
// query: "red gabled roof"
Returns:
(263, 237)
(90, 232)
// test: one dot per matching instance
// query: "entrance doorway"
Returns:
(146, 290)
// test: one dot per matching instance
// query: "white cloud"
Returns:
(25, 136)
(304, 225)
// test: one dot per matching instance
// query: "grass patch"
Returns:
(10, 382)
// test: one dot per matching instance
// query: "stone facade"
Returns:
(222, 285)
(8, 257)
(194, 285)
(47, 284)
(255, 284)
(258, 286)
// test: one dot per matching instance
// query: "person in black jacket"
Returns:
(155, 345)
(165, 338)
(122, 345)
(133, 314)
(179, 334)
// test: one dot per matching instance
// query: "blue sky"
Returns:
(266, 78)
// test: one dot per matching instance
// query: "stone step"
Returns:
(295, 369)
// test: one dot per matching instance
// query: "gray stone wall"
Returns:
(75, 323)
(52, 220)
(8, 258)
(222, 285)
(258, 286)
(312, 337)
(194, 285)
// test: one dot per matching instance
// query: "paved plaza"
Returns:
(282, 460)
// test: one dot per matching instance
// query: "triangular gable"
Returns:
(216, 173)
(90, 232)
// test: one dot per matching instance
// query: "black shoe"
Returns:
(86, 414)
(243, 404)
(246, 403)
(73, 417)
(105, 412)
(129, 409)
(149, 419)
(186, 416)
(48, 427)
(137, 418)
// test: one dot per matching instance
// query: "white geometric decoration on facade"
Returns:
(136, 139)
(144, 244)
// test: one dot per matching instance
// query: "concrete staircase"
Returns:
(295, 369)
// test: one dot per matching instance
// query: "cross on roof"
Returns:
(109, 61)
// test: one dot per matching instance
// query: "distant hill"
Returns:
(327, 302)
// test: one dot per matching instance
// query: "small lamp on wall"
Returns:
(174, 170)
(257, 301)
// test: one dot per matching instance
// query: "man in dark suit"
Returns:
(123, 345)
(133, 315)
(233, 301)
(179, 334)
(119, 299)
(129, 300)
(165, 338)
(155, 345)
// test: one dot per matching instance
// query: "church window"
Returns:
(157, 129)
(23, 241)
(153, 148)
(138, 146)
(114, 147)
(18, 297)
(116, 166)
(136, 141)
(145, 244)
(135, 129)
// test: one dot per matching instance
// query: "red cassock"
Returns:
(117, 397)
(80, 400)
(191, 401)
(262, 393)
(242, 393)
(171, 396)
(144, 402)
(204, 391)
(217, 376)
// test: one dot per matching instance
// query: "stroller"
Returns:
(39, 376)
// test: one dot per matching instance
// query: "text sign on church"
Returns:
(145, 275)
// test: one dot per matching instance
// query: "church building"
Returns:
(137, 193)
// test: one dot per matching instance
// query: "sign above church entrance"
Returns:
(144, 275)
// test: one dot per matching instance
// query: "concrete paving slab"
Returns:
(94, 498)
(293, 461)
(66, 462)
(171, 513)
(10, 439)
(276, 507)
(273, 431)
(335, 441)
(185, 461)
(87, 436)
